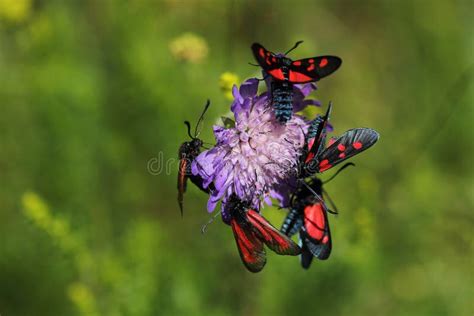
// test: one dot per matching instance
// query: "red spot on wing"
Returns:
(342, 155)
(341, 147)
(311, 61)
(324, 165)
(309, 157)
(332, 140)
(310, 67)
(311, 143)
(261, 52)
(325, 239)
(277, 74)
(268, 61)
(315, 221)
(298, 77)
(297, 63)
(357, 145)
(323, 62)
(273, 59)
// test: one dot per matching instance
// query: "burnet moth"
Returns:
(308, 215)
(286, 72)
(318, 157)
(251, 231)
(308, 210)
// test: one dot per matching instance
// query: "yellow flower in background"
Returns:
(226, 82)
(189, 47)
(15, 11)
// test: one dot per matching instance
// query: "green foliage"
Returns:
(90, 91)
(123, 280)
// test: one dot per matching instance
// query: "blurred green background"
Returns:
(91, 91)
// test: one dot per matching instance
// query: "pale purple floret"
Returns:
(258, 154)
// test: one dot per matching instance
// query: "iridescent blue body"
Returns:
(282, 92)
(282, 100)
(301, 198)
(313, 127)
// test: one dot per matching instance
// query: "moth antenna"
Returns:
(320, 199)
(316, 195)
(189, 128)
(196, 133)
(335, 211)
(296, 45)
(266, 76)
(251, 64)
(204, 227)
(340, 169)
(328, 112)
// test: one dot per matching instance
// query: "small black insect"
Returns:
(188, 151)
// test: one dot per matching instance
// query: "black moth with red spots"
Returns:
(308, 216)
(318, 158)
(308, 211)
(351, 143)
(286, 72)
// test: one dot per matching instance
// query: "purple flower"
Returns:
(258, 154)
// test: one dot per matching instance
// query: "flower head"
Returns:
(189, 47)
(257, 154)
(15, 11)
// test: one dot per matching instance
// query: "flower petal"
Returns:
(249, 88)
(211, 203)
(306, 88)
